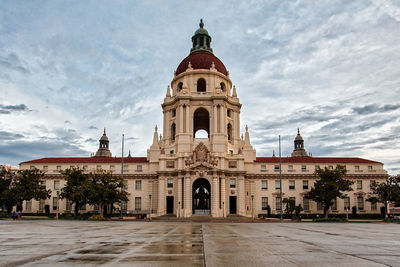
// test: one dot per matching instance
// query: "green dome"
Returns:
(201, 31)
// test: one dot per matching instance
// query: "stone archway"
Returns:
(201, 196)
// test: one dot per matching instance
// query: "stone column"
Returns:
(224, 202)
(215, 119)
(241, 197)
(180, 118)
(222, 121)
(179, 188)
(161, 196)
(187, 119)
(214, 197)
(188, 197)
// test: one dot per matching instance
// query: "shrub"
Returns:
(97, 217)
(328, 220)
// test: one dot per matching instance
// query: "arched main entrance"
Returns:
(201, 196)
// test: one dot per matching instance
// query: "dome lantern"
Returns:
(201, 40)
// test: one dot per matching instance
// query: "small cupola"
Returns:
(299, 150)
(104, 150)
(201, 40)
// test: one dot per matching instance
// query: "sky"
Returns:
(70, 68)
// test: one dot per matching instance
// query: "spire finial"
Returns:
(201, 23)
(298, 131)
(273, 152)
(155, 128)
(104, 130)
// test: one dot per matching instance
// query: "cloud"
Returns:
(12, 62)
(7, 109)
(67, 122)
(91, 127)
(374, 108)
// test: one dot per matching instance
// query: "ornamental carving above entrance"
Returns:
(201, 154)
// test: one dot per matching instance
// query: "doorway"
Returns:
(232, 204)
(201, 196)
(170, 204)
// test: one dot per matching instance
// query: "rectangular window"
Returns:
(305, 184)
(28, 205)
(346, 203)
(291, 184)
(277, 184)
(278, 205)
(319, 206)
(174, 113)
(139, 168)
(45, 167)
(85, 168)
(330, 167)
(317, 167)
(41, 204)
(357, 168)
(71, 166)
(306, 204)
(32, 167)
(43, 184)
(374, 206)
(232, 183)
(303, 168)
(125, 167)
(229, 113)
(55, 200)
(264, 184)
(369, 167)
(170, 183)
(263, 168)
(276, 168)
(96, 207)
(138, 203)
(360, 203)
(56, 185)
(68, 205)
(98, 167)
(124, 206)
(334, 205)
(290, 167)
(138, 185)
(371, 182)
(58, 167)
(112, 167)
(359, 184)
(264, 203)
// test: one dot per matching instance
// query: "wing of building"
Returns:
(202, 164)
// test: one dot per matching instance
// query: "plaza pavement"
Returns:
(62, 243)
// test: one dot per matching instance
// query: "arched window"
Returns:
(229, 131)
(201, 123)
(173, 132)
(180, 86)
(201, 85)
(222, 85)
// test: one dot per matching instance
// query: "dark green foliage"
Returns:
(290, 206)
(329, 186)
(76, 189)
(24, 185)
(329, 220)
(385, 192)
(268, 211)
(354, 211)
(106, 189)
(297, 210)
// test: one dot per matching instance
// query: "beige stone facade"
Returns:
(202, 164)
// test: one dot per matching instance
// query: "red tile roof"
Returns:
(201, 60)
(313, 160)
(88, 160)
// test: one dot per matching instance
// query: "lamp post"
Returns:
(179, 209)
(223, 209)
(122, 174)
(58, 199)
(280, 178)
(151, 204)
(252, 207)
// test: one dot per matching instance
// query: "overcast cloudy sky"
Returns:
(70, 68)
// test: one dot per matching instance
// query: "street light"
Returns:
(150, 207)
(252, 207)
(58, 197)
(223, 209)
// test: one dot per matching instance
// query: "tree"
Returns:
(385, 192)
(329, 186)
(106, 189)
(25, 185)
(297, 210)
(290, 206)
(6, 178)
(77, 187)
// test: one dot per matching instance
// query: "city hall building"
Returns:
(202, 164)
